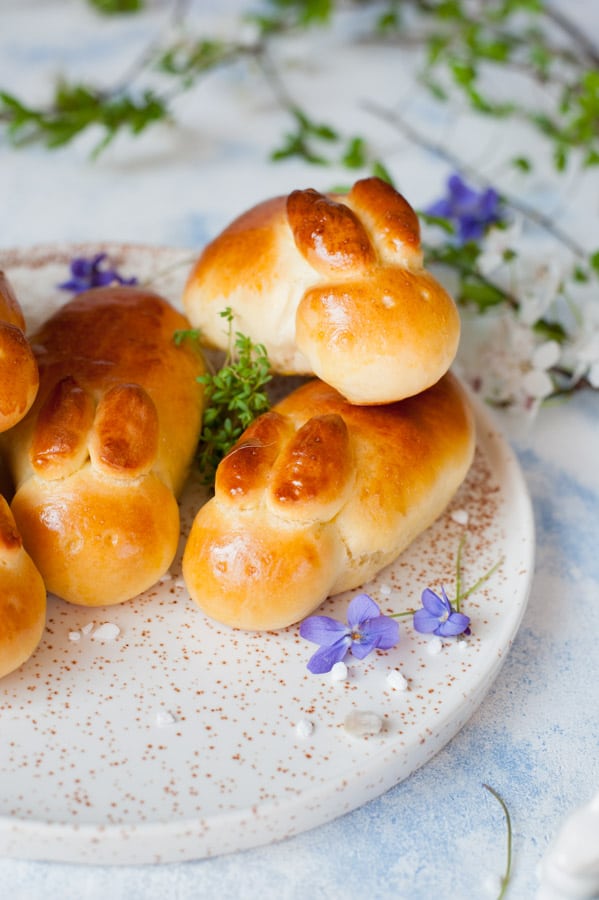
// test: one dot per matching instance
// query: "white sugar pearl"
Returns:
(339, 671)
(460, 516)
(435, 645)
(106, 632)
(397, 681)
(304, 728)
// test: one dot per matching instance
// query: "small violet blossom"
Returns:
(438, 616)
(469, 210)
(366, 630)
(86, 274)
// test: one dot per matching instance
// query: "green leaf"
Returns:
(483, 294)
(522, 163)
(551, 331)
(110, 7)
(382, 172)
(355, 154)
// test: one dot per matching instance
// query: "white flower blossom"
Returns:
(581, 352)
(498, 242)
(508, 365)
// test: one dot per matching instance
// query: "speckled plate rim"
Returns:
(231, 831)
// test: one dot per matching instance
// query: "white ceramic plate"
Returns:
(178, 738)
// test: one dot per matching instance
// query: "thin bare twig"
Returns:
(472, 174)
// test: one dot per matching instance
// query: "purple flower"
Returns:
(366, 630)
(86, 274)
(438, 616)
(470, 211)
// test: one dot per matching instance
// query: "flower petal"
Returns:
(325, 657)
(363, 647)
(424, 622)
(457, 623)
(384, 630)
(459, 190)
(433, 604)
(323, 630)
(361, 609)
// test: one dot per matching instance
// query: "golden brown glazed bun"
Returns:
(104, 452)
(332, 286)
(22, 597)
(318, 495)
(18, 369)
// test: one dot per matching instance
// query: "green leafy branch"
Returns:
(75, 109)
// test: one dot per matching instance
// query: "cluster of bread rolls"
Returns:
(331, 485)
(22, 590)
(318, 494)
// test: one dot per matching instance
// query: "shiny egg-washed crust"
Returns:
(333, 286)
(318, 495)
(103, 454)
(22, 597)
(18, 370)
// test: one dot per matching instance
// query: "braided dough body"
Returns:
(332, 286)
(318, 495)
(103, 454)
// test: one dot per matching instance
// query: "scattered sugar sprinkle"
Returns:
(106, 632)
(339, 672)
(435, 645)
(397, 680)
(460, 516)
(164, 718)
(361, 723)
(304, 728)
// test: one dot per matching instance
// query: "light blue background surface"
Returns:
(535, 738)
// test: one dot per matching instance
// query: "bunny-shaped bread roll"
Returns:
(22, 591)
(333, 286)
(101, 457)
(318, 495)
(18, 369)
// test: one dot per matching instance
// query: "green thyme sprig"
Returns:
(235, 396)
